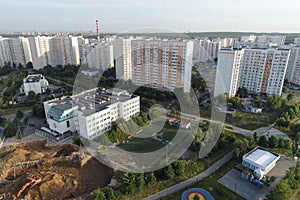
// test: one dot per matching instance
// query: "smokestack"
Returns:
(98, 31)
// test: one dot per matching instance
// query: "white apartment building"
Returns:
(162, 63)
(11, 50)
(36, 83)
(27, 51)
(99, 56)
(122, 50)
(297, 42)
(39, 47)
(293, 72)
(92, 112)
(261, 41)
(261, 71)
(228, 72)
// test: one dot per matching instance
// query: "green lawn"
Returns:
(217, 190)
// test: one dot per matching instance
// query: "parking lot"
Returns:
(246, 189)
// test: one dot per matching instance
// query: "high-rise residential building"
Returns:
(64, 51)
(261, 41)
(228, 72)
(39, 47)
(11, 51)
(27, 51)
(293, 72)
(91, 112)
(99, 56)
(162, 63)
(261, 71)
(122, 50)
(297, 42)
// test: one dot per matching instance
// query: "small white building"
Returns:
(92, 112)
(260, 161)
(36, 83)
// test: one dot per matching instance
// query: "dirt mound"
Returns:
(60, 168)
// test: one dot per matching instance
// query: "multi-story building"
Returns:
(39, 47)
(99, 56)
(293, 72)
(261, 71)
(261, 41)
(162, 63)
(27, 51)
(36, 83)
(122, 50)
(11, 51)
(92, 112)
(228, 72)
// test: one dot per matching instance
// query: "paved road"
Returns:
(58, 81)
(191, 181)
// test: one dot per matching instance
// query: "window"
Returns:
(68, 124)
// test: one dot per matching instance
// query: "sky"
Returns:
(121, 16)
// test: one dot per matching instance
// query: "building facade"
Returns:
(260, 71)
(122, 49)
(92, 112)
(162, 64)
(36, 83)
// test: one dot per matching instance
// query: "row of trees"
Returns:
(285, 120)
(122, 129)
(131, 182)
(106, 194)
(286, 188)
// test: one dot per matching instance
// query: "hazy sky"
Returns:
(124, 15)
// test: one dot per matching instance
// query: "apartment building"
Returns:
(99, 56)
(162, 63)
(260, 71)
(11, 50)
(228, 72)
(92, 112)
(39, 47)
(293, 72)
(122, 54)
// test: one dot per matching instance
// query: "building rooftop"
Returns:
(34, 78)
(261, 157)
(91, 101)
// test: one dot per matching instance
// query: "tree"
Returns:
(275, 102)
(290, 96)
(151, 178)
(263, 141)
(110, 194)
(19, 114)
(155, 113)
(288, 144)
(140, 181)
(10, 130)
(38, 111)
(169, 172)
(99, 194)
(272, 142)
(31, 99)
(48, 91)
(255, 135)
(179, 167)
(281, 143)
(240, 148)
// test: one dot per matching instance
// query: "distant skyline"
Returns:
(124, 15)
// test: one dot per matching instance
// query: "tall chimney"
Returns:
(98, 30)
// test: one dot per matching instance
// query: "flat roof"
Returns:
(261, 157)
(34, 78)
(90, 101)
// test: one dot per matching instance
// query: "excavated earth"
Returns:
(66, 172)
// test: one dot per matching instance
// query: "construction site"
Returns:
(37, 170)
